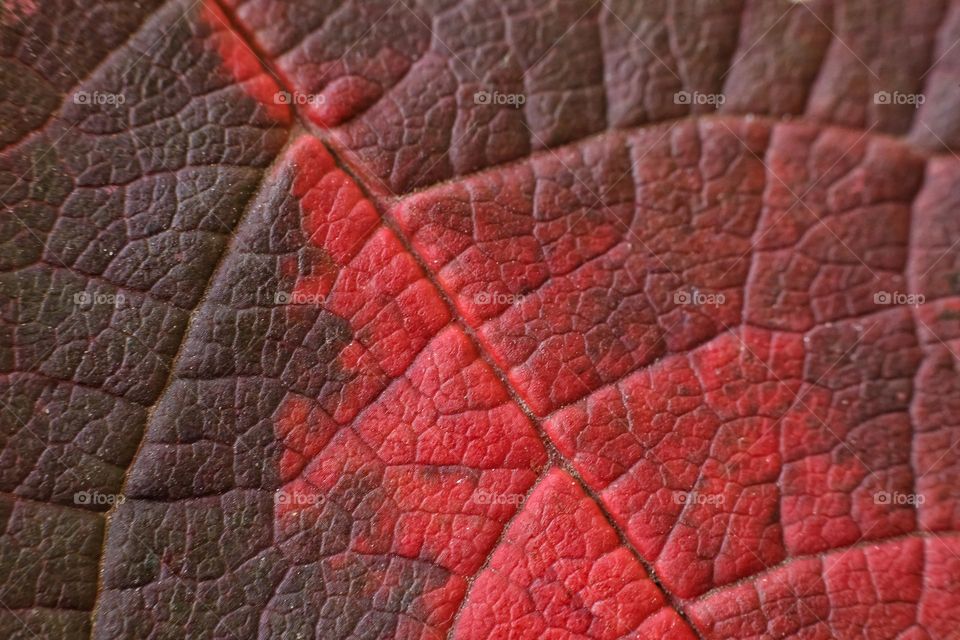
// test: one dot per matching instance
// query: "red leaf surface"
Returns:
(376, 319)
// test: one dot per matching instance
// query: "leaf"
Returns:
(416, 320)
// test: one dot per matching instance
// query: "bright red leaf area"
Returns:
(304, 339)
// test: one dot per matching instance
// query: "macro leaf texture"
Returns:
(421, 319)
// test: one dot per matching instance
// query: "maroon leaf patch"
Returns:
(480, 320)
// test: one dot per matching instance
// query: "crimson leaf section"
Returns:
(329, 457)
(560, 571)
(898, 589)
(735, 370)
(573, 266)
(119, 191)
